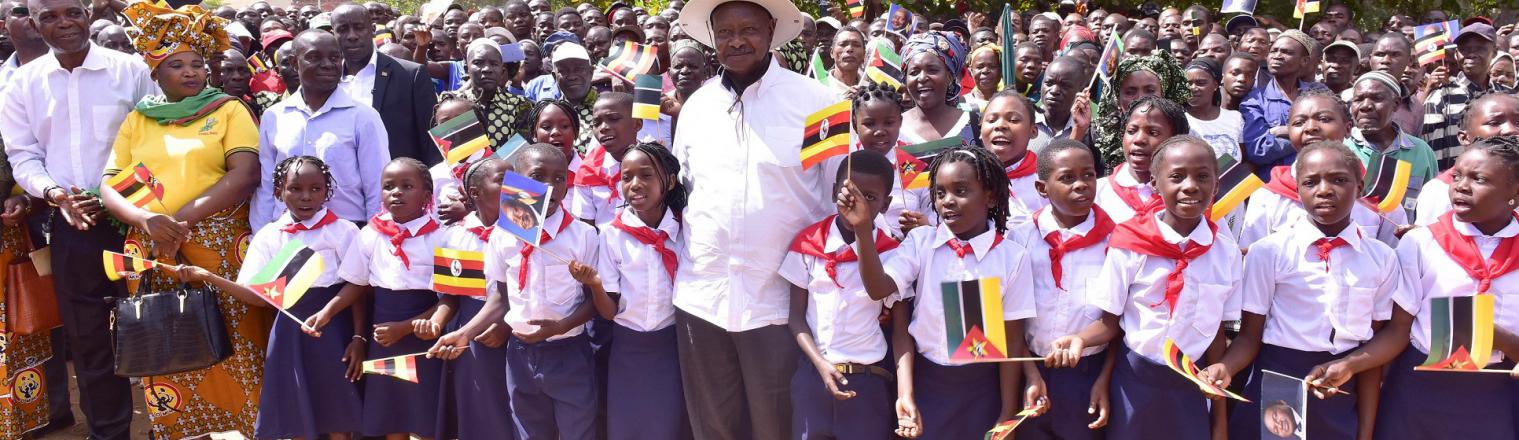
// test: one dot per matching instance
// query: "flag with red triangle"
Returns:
(973, 324)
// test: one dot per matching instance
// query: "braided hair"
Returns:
(667, 167)
(1504, 148)
(872, 92)
(293, 164)
(988, 171)
(473, 177)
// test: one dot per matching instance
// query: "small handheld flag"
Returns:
(524, 205)
(1430, 41)
(826, 134)
(257, 63)
(1182, 364)
(819, 71)
(383, 36)
(460, 137)
(646, 93)
(1008, 42)
(138, 186)
(1387, 182)
(402, 367)
(1236, 182)
(118, 266)
(1107, 64)
(505, 150)
(288, 275)
(457, 272)
(973, 324)
(630, 59)
(856, 8)
(1305, 7)
(1460, 333)
(1004, 429)
(885, 65)
(1238, 7)
(924, 153)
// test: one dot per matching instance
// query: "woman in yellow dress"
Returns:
(201, 147)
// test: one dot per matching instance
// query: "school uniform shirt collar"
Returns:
(551, 223)
(1470, 230)
(412, 226)
(1047, 224)
(287, 218)
(668, 224)
(1126, 178)
(1306, 234)
(980, 244)
(1200, 234)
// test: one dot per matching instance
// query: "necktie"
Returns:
(1326, 244)
(482, 232)
(963, 248)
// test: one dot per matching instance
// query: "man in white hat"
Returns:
(739, 141)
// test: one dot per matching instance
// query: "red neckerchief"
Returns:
(1447, 176)
(651, 237)
(482, 232)
(1283, 183)
(1102, 226)
(593, 173)
(543, 238)
(1026, 167)
(963, 248)
(295, 227)
(398, 234)
(1142, 234)
(812, 240)
(1128, 194)
(1463, 250)
(1325, 245)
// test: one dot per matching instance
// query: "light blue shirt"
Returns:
(349, 137)
(543, 88)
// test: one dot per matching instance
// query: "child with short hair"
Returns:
(595, 197)
(1127, 192)
(971, 198)
(1169, 276)
(1006, 127)
(839, 390)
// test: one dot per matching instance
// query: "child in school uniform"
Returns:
(1169, 275)
(1310, 295)
(1471, 249)
(309, 382)
(839, 389)
(632, 284)
(448, 180)
(549, 367)
(393, 256)
(957, 401)
(1073, 233)
(471, 403)
(596, 197)
(1315, 116)
(877, 117)
(1006, 127)
(1127, 191)
(1492, 114)
(555, 123)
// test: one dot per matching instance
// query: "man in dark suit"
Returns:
(398, 89)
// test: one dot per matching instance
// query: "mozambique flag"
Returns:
(856, 8)
(925, 154)
(400, 367)
(885, 66)
(137, 186)
(826, 134)
(1305, 7)
(1430, 41)
(631, 59)
(1236, 182)
(1182, 364)
(1005, 29)
(819, 71)
(973, 324)
(1387, 182)
(646, 92)
(288, 275)
(457, 272)
(1004, 429)
(1460, 333)
(118, 266)
(460, 137)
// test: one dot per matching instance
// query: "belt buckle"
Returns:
(843, 368)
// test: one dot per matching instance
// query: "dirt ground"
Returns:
(78, 431)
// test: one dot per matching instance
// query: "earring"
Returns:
(1511, 202)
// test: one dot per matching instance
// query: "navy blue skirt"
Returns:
(644, 396)
(956, 402)
(392, 405)
(1335, 417)
(1149, 401)
(1070, 394)
(304, 391)
(472, 402)
(1418, 405)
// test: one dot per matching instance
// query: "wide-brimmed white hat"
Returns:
(696, 20)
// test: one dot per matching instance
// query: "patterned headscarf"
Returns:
(1173, 87)
(948, 48)
(164, 32)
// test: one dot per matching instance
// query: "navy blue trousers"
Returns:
(553, 388)
(816, 414)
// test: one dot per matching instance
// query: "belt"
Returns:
(854, 368)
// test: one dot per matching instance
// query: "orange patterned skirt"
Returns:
(21, 358)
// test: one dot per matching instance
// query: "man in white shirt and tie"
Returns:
(739, 142)
(59, 116)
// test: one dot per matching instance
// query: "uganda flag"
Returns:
(400, 367)
(138, 186)
(383, 36)
(826, 134)
(1387, 182)
(973, 324)
(288, 275)
(1235, 183)
(1460, 333)
(1005, 429)
(118, 266)
(885, 65)
(925, 153)
(646, 92)
(1430, 41)
(460, 137)
(1182, 364)
(457, 272)
(631, 59)
(856, 8)
(257, 63)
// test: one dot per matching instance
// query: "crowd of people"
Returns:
(693, 279)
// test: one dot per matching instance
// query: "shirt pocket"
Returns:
(558, 272)
(778, 146)
(1351, 315)
(1208, 307)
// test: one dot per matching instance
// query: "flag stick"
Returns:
(1020, 359)
(1484, 370)
(397, 357)
(287, 313)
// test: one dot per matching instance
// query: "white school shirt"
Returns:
(1060, 312)
(924, 259)
(459, 237)
(330, 242)
(444, 185)
(1023, 200)
(1308, 308)
(636, 271)
(1131, 282)
(845, 321)
(595, 203)
(550, 292)
(1433, 201)
(370, 260)
(1267, 212)
(900, 198)
(1108, 199)
(1428, 272)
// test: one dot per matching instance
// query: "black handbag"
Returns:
(173, 331)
